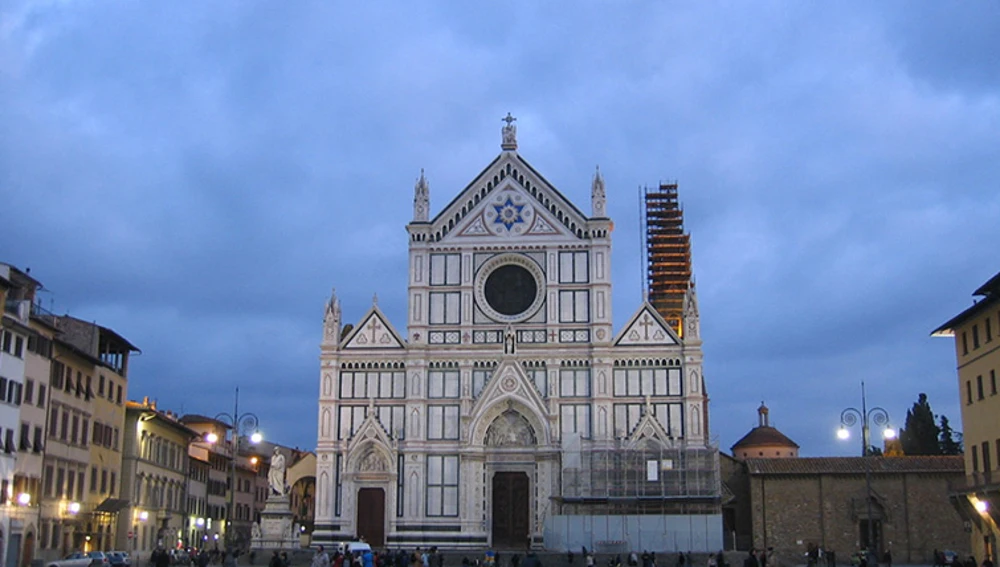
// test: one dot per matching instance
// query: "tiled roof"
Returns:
(764, 436)
(856, 465)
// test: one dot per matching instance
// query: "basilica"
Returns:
(509, 412)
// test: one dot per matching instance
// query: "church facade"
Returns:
(509, 412)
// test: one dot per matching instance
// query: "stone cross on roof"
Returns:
(509, 141)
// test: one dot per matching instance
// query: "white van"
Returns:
(352, 547)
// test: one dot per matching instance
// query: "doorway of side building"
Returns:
(511, 510)
(371, 516)
(873, 546)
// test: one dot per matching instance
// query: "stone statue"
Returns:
(255, 530)
(509, 341)
(510, 429)
(276, 474)
(509, 141)
(372, 462)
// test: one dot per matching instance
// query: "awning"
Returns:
(112, 505)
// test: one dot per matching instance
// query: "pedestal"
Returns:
(277, 530)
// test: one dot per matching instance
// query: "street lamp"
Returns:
(879, 417)
(240, 423)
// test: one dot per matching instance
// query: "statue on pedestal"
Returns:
(276, 474)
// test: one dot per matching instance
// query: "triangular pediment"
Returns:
(646, 328)
(509, 199)
(370, 450)
(509, 381)
(370, 430)
(649, 428)
(374, 332)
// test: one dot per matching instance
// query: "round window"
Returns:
(510, 288)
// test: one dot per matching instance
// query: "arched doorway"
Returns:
(511, 489)
(28, 552)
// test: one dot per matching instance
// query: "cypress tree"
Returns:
(921, 434)
(947, 441)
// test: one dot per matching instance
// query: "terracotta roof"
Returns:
(990, 291)
(764, 435)
(856, 465)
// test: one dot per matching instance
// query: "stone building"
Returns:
(509, 411)
(26, 333)
(823, 501)
(775, 499)
(155, 470)
(976, 331)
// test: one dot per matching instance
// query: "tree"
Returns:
(949, 441)
(921, 434)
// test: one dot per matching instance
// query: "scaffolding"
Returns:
(624, 495)
(668, 252)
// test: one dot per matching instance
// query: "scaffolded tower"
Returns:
(668, 253)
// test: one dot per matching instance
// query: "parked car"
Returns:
(119, 559)
(98, 559)
(76, 559)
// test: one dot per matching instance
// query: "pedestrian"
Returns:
(887, 558)
(751, 560)
(321, 559)
(284, 559)
(275, 560)
(569, 558)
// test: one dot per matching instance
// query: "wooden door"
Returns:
(511, 510)
(371, 516)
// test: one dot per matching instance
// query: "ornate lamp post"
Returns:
(867, 416)
(241, 424)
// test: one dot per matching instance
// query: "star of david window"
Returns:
(508, 214)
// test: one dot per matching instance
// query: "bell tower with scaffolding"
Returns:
(668, 253)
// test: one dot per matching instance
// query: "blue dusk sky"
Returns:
(198, 175)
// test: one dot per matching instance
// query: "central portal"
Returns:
(511, 509)
(371, 516)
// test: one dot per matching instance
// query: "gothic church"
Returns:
(509, 412)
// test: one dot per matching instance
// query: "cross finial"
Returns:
(508, 119)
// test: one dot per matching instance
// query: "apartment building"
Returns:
(976, 332)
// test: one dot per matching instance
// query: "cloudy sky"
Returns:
(198, 175)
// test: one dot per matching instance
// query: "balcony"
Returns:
(44, 315)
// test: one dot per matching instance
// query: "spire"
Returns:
(692, 322)
(421, 199)
(509, 134)
(598, 200)
(331, 319)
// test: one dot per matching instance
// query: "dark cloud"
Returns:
(198, 176)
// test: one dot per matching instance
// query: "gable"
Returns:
(647, 328)
(511, 383)
(508, 212)
(374, 332)
(535, 207)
